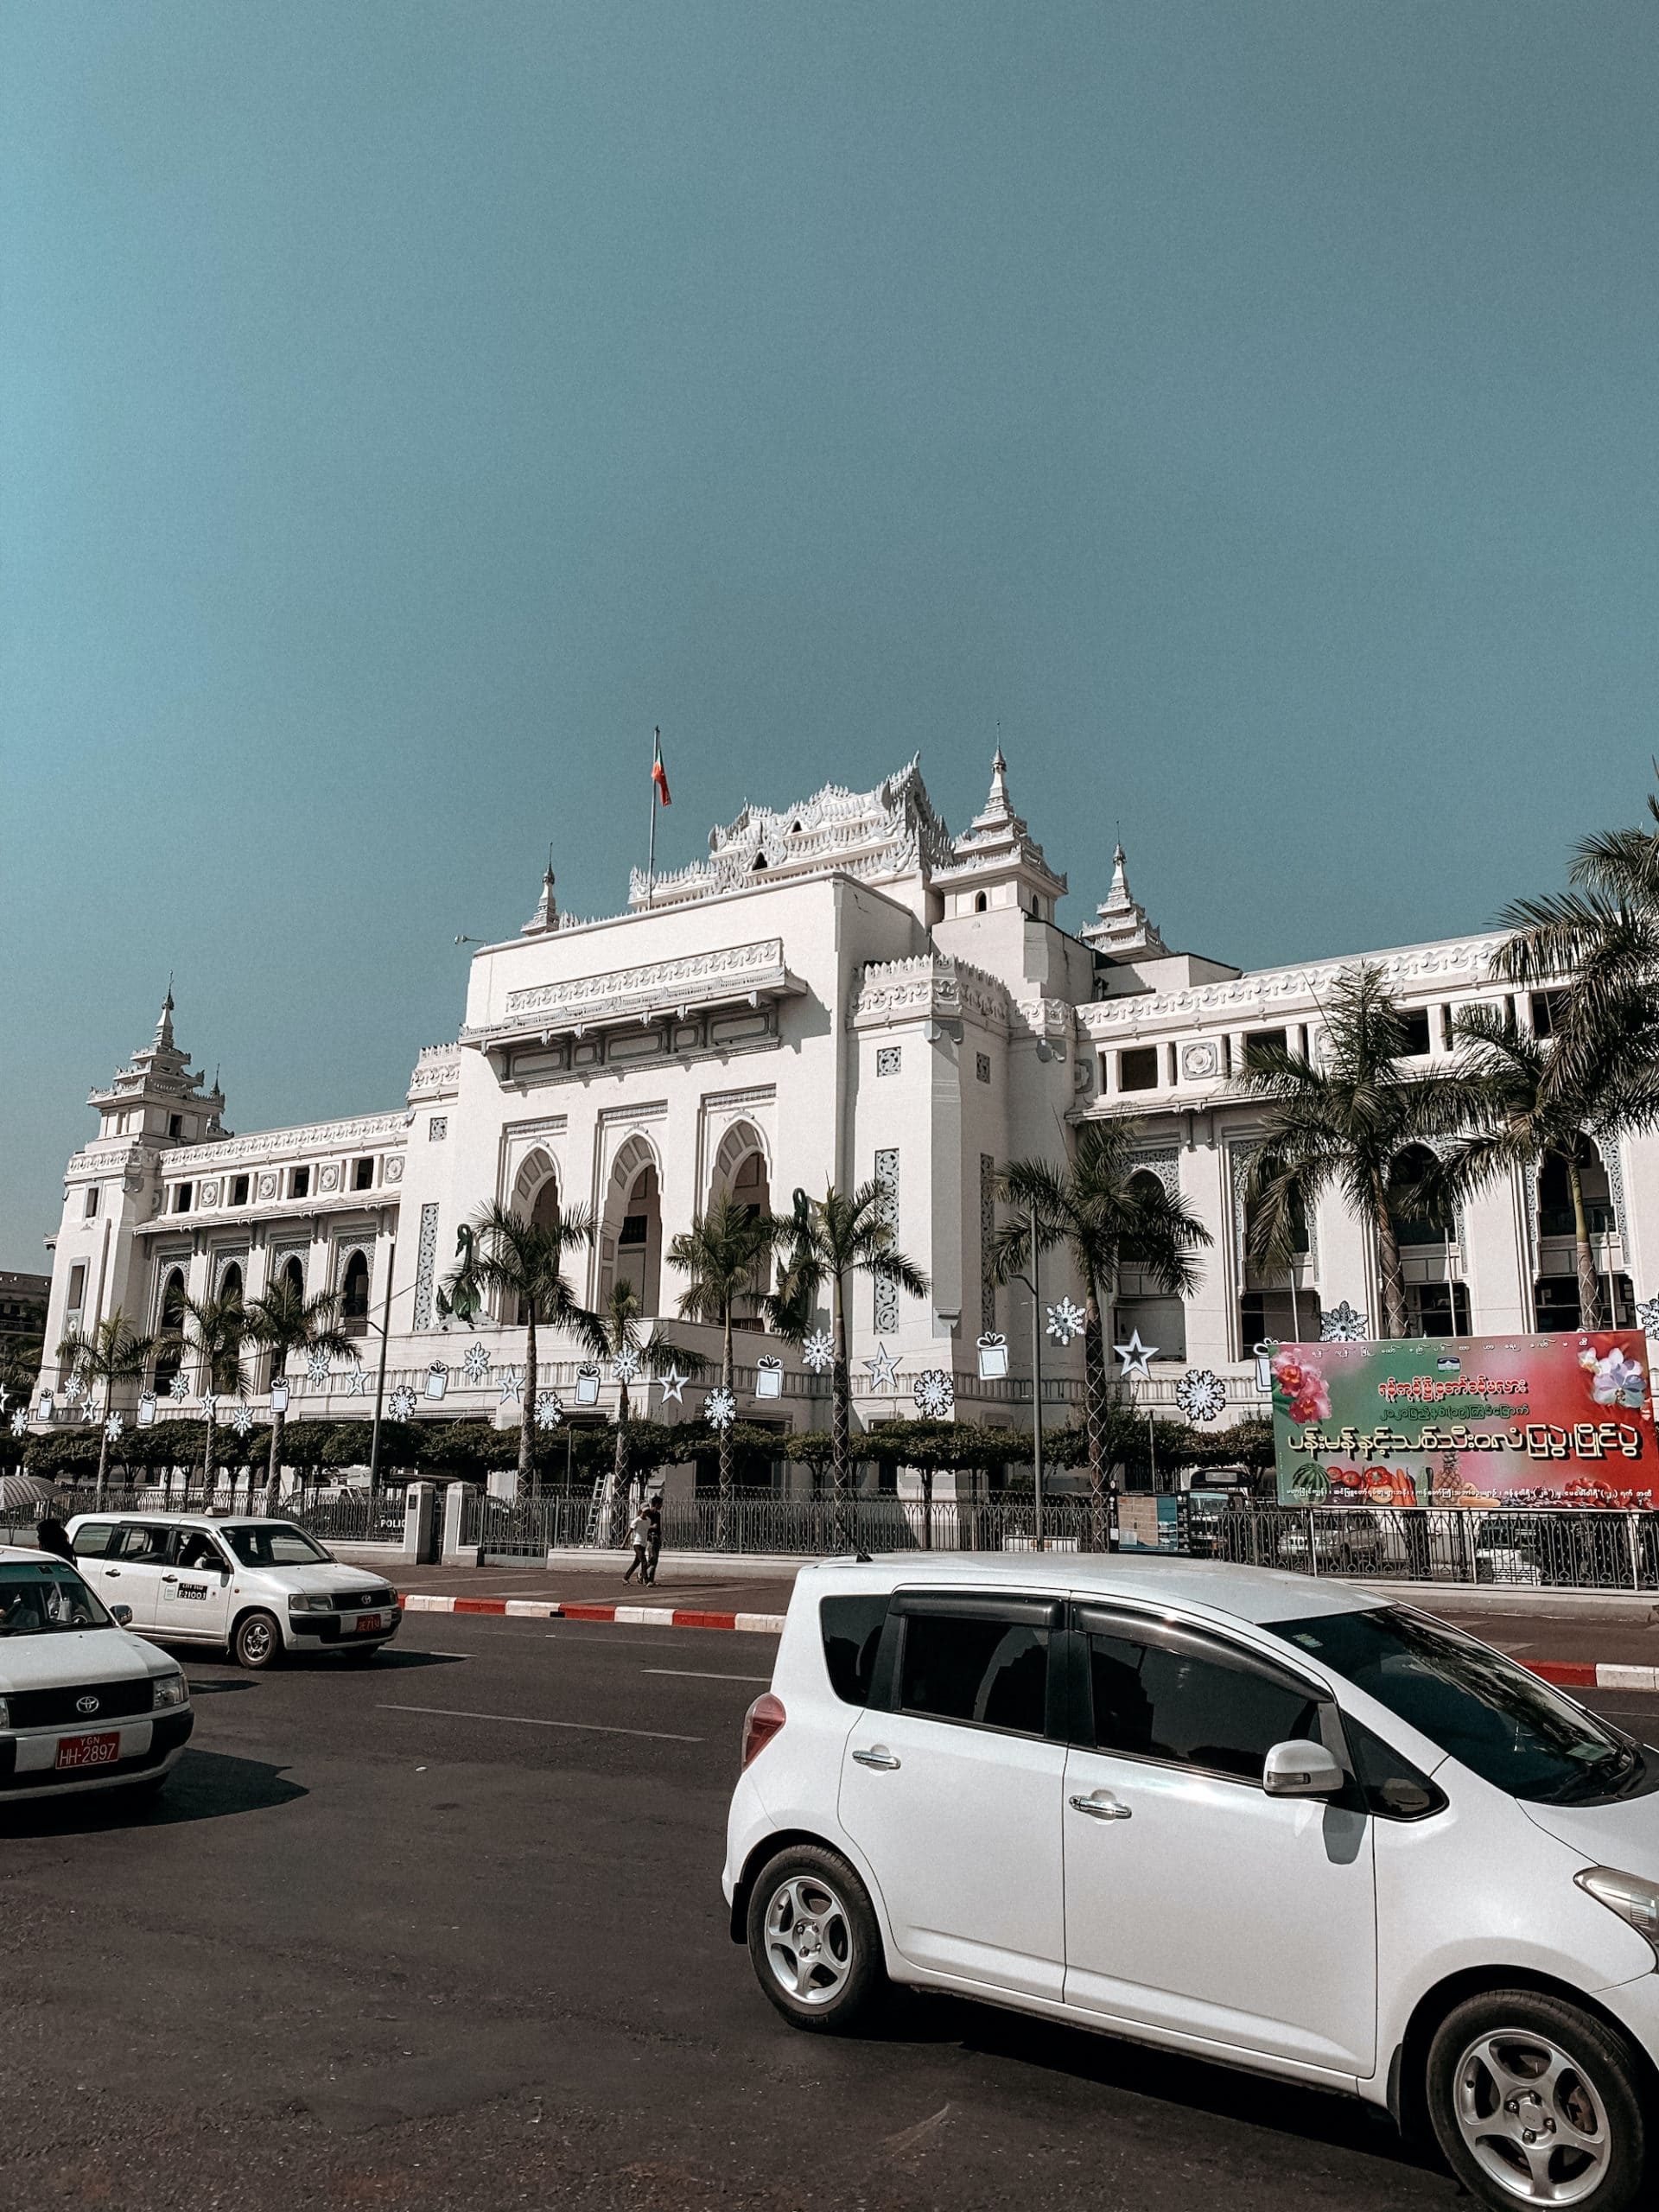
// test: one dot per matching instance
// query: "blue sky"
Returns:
(401, 408)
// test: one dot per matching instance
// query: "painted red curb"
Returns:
(1569, 1674)
(416, 1601)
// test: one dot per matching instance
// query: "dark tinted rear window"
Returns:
(990, 1672)
(852, 1629)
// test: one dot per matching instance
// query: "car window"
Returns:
(38, 1600)
(1163, 1693)
(993, 1673)
(196, 1547)
(273, 1543)
(92, 1540)
(145, 1543)
(851, 1627)
(1390, 1785)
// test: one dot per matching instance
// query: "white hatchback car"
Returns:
(1272, 1822)
(83, 1705)
(260, 1587)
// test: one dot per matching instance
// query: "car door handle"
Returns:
(112, 1574)
(878, 1756)
(1103, 1806)
(170, 1577)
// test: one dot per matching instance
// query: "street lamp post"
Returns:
(380, 1376)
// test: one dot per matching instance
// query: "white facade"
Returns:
(841, 991)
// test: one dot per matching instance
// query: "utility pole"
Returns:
(1036, 1390)
(380, 1377)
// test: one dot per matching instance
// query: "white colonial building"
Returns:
(843, 991)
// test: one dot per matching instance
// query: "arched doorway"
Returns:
(631, 1232)
(742, 1173)
(1425, 1230)
(170, 1318)
(1555, 1292)
(1140, 1303)
(230, 1285)
(354, 1296)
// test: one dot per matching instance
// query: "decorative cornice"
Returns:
(658, 986)
(1461, 960)
(283, 1144)
(931, 985)
(437, 1072)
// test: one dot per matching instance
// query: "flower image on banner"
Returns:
(1479, 1421)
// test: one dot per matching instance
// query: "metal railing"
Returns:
(1603, 1550)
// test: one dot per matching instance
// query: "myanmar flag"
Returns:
(659, 774)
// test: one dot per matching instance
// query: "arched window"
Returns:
(1142, 1302)
(293, 1273)
(981, 902)
(630, 1234)
(1279, 1302)
(1417, 1219)
(230, 1283)
(354, 1296)
(1555, 1293)
(170, 1358)
(758, 864)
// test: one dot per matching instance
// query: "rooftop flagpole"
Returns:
(650, 860)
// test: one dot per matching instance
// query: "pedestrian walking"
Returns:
(654, 1536)
(639, 1537)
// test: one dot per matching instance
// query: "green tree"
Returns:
(21, 1356)
(829, 1242)
(281, 1322)
(633, 1357)
(112, 1354)
(723, 1256)
(522, 1263)
(214, 1330)
(1101, 1210)
(1351, 1121)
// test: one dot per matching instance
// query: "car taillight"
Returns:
(760, 1723)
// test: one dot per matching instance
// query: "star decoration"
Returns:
(1200, 1394)
(113, 1426)
(400, 1404)
(550, 1411)
(1065, 1321)
(476, 1365)
(672, 1385)
(720, 1409)
(1647, 1313)
(818, 1351)
(178, 1389)
(210, 1403)
(4, 1395)
(935, 1393)
(625, 1365)
(884, 1373)
(1135, 1356)
(359, 1384)
(316, 1365)
(241, 1420)
(513, 1384)
(1342, 1325)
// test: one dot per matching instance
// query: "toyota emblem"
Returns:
(86, 1705)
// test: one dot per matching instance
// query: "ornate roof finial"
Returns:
(546, 916)
(164, 1027)
(1122, 927)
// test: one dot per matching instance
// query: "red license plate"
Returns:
(90, 1750)
(375, 1621)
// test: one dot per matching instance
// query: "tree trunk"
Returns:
(274, 1465)
(527, 1424)
(926, 1474)
(1094, 1420)
(104, 1448)
(207, 1455)
(838, 1421)
(1589, 1288)
(723, 1440)
(619, 1466)
(1388, 1262)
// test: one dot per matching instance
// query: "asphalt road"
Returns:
(391, 1939)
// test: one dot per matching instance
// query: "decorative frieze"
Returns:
(932, 985)
(1463, 963)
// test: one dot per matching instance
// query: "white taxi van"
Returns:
(84, 1704)
(257, 1586)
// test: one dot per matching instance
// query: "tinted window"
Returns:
(852, 1630)
(144, 1542)
(1486, 1710)
(93, 1541)
(995, 1673)
(1392, 1788)
(1161, 1696)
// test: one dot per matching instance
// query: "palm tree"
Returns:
(525, 1261)
(1102, 1211)
(281, 1322)
(1345, 1120)
(1542, 1105)
(112, 1354)
(215, 1329)
(721, 1256)
(829, 1241)
(613, 1334)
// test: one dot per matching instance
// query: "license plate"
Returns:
(90, 1750)
(375, 1621)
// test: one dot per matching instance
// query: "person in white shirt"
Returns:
(639, 1537)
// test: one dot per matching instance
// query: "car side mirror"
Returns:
(121, 1615)
(1302, 1769)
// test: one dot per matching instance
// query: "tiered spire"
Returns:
(160, 1075)
(1121, 929)
(546, 916)
(998, 844)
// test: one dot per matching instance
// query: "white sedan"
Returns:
(84, 1703)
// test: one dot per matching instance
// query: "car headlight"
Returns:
(1634, 1900)
(168, 1689)
(301, 1602)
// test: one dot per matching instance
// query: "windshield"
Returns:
(273, 1543)
(1486, 1710)
(41, 1599)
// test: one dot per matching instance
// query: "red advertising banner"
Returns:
(1466, 1420)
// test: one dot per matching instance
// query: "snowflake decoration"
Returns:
(720, 1409)
(513, 1384)
(672, 1385)
(884, 1374)
(1647, 1313)
(359, 1384)
(935, 1393)
(1342, 1325)
(316, 1365)
(113, 1426)
(476, 1365)
(400, 1404)
(241, 1420)
(819, 1352)
(178, 1389)
(19, 1422)
(1200, 1393)
(625, 1365)
(1065, 1321)
(1135, 1356)
(74, 1389)
(549, 1409)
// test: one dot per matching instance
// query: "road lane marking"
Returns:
(692, 1675)
(530, 1721)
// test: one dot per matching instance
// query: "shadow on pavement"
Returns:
(1258, 2101)
(204, 1786)
(378, 1662)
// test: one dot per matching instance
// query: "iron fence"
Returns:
(1553, 1549)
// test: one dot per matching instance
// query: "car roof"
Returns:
(1255, 1594)
(184, 1520)
(30, 1551)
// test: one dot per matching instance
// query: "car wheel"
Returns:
(1535, 2102)
(257, 1642)
(814, 1941)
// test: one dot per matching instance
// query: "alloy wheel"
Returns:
(809, 1940)
(1531, 2117)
